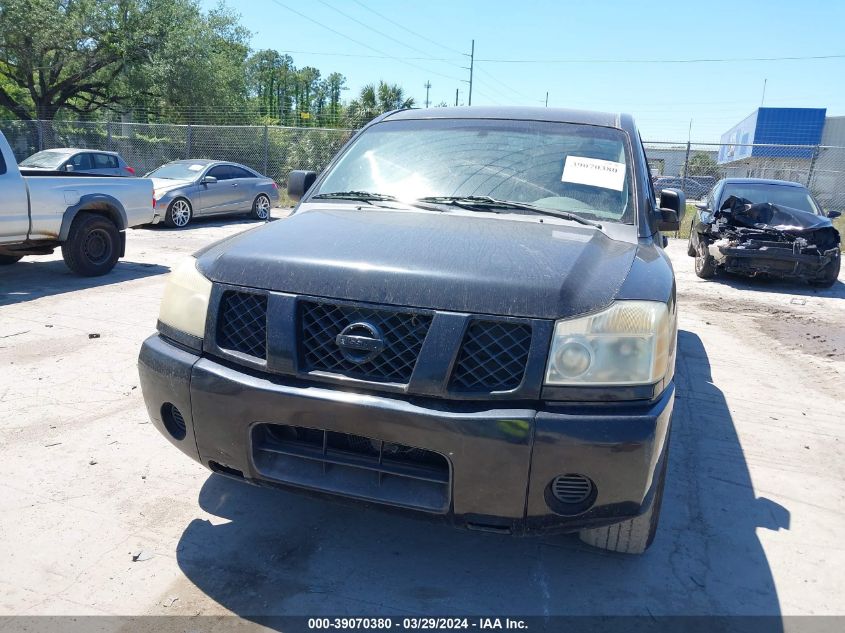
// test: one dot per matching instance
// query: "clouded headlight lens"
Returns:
(626, 344)
(185, 302)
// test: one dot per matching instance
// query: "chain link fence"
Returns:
(275, 151)
(695, 167)
(271, 150)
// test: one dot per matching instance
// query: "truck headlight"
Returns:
(626, 344)
(185, 302)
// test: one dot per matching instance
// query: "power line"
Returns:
(371, 28)
(425, 59)
(659, 61)
(503, 85)
(352, 39)
(405, 28)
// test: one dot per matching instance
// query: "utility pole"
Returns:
(470, 69)
(456, 96)
(547, 98)
(427, 88)
(763, 100)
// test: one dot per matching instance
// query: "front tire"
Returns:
(260, 208)
(831, 274)
(691, 243)
(93, 245)
(633, 536)
(705, 265)
(179, 214)
(8, 260)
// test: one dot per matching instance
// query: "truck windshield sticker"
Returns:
(594, 172)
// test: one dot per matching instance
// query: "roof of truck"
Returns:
(561, 115)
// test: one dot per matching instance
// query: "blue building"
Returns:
(774, 126)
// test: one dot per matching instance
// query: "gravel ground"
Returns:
(752, 520)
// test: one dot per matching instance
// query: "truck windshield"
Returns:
(781, 195)
(580, 169)
(47, 159)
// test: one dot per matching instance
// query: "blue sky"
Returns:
(663, 97)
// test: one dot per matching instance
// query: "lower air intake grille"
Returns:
(572, 489)
(352, 466)
(242, 323)
(493, 357)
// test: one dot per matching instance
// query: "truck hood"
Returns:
(509, 265)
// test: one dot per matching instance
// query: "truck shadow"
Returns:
(281, 554)
(31, 279)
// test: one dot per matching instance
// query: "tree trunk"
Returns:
(45, 112)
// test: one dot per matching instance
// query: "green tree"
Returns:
(199, 73)
(334, 85)
(703, 164)
(375, 100)
(69, 53)
(269, 75)
(163, 56)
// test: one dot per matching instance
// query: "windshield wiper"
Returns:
(363, 196)
(474, 202)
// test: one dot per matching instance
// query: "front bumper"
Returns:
(773, 261)
(502, 459)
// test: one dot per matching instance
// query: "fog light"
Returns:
(572, 358)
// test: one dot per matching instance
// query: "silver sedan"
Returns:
(185, 189)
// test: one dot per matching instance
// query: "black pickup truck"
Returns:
(469, 315)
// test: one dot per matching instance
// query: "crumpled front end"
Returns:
(766, 239)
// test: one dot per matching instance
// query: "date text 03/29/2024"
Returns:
(417, 623)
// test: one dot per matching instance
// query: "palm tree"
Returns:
(374, 100)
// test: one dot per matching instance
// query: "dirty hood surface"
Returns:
(446, 261)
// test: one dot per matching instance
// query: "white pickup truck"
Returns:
(86, 215)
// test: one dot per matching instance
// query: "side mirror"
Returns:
(208, 180)
(834, 214)
(69, 167)
(672, 205)
(299, 182)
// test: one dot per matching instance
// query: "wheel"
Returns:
(261, 207)
(705, 265)
(8, 260)
(690, 244)
(633, 536)
(93, 245)
(831, 274)
(178, 214)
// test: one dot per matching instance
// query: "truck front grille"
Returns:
(402, 332)
(353, 466)
(493, 357)
(242, 323)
